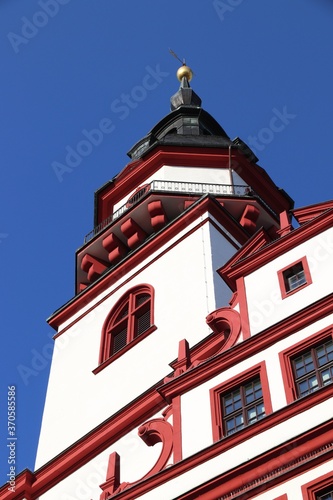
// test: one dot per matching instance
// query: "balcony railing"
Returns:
(191, 188)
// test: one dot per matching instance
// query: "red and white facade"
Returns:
(197, 354)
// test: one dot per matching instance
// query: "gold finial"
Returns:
(183, 71)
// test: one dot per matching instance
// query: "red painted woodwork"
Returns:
(236, 268)
(152, 432)
(116, 248)
(126, 182)
(285, 225)
(134, 233)
(226, 325)
(157, 214)
(286, 355)
(310, 489)
(222, 361)
(226, 322)
(128, 300)
(227, 225)
(239, 379)
(92, 266)
(285, 293)
(112, 482)
(249, 218)
(306, 214)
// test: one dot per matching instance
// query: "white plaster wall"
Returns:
(136, 459)
(184, 295)
(187, 174)
(293, 487)
(247, 450)
(195, 404)
(265, 304)
(221, 252)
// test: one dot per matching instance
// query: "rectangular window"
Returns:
(308, 365)
(320, 488)
(242, 406)
(240, 402)
(294, 277)
(313, 368)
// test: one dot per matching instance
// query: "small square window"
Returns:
(294, 277)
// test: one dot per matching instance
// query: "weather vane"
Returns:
(184, 70)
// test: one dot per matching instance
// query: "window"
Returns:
(308, 365)
(313, 368)
(129, 321)
(320, 488)
(328, 495)
(240, 402)
(242, 406)
(294, 277)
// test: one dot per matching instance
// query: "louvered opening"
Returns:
(142, 298)
(119, 340)
(142, 322)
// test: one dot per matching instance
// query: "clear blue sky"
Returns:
(69, 64)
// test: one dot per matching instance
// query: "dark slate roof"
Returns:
(187, 125)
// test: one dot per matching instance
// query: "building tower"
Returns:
(199, 352)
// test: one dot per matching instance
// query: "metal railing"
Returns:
(191, 188)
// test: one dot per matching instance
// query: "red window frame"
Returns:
(287, 356)
(285, 292)
(233, 383)
(124, 320)
(311, 490)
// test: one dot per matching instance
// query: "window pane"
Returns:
(325, 496)
(142, 322)
(232, 402)
(327, 375)
(325, 353)
(253, 391)
(119, 340)
(308, 385)
(303, 364)
(140, 299)
(234, 424)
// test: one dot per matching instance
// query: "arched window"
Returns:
(129, 321)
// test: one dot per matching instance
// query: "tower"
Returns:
(198, 354)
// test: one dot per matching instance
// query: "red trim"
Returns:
(158, 217)
(239, 379)
(282, 497)
(154, 431)
(149, 404)
(306, 214)
(243, 309)
(249, 218)
(109, 278)
(106, 337)
(309, 490)
(244, 350)
(248, 472)
(285, 362)
(177, 430)
(252, 174)
(235, 268)
(286, 293)
(89, 446)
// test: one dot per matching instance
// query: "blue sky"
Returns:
(71, 66)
